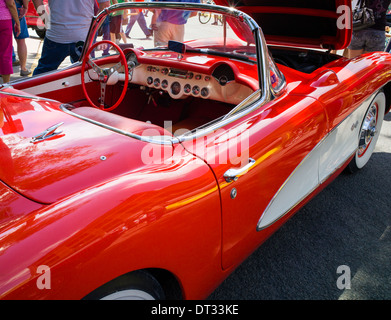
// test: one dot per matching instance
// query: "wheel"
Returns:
(369, 132)
(104, 75)
(204, 17)
(138, 285)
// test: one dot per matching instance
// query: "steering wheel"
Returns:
(103, 75)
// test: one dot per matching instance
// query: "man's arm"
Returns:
(105, 4)
(23, 9)
(37, 4)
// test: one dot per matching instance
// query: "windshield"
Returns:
(200, 59)
(149, 29)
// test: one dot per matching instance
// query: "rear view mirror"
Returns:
(176, 46)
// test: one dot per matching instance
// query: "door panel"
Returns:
(277, 136)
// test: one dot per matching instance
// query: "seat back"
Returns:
(120, 122)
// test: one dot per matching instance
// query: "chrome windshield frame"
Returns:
(266, 90)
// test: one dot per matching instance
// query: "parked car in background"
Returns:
(34, 21)
(151, 171)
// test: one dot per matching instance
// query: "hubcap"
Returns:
(131, 294)
(368, 130)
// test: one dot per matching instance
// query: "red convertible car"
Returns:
(151, 169)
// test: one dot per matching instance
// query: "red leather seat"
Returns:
(120, 122)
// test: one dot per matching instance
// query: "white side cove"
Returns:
(325, 159)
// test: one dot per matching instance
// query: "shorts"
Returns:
(23, 26)
(115, 24)
(168, 31)
(369, 40)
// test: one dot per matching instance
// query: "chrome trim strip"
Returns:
(238, 112)
(30, 97)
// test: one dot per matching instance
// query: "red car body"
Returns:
(34, 21)
(85, 204)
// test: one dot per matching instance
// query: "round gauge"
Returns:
(196, 90)
(223, 80)
(190, 75)
(204, 92)
(175, 88)
(156, 82)
(149, 80)
(164, 84)
(132, 59)
(187, 88)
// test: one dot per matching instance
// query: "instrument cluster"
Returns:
(178, 82)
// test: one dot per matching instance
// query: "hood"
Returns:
(81, 156)
(322, 24)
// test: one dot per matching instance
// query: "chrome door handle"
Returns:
(233, 174)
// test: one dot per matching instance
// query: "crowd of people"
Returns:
(70, 21)
(69, 24)
(372, 38)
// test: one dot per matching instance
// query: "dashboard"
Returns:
(219, 84)
(180, 83)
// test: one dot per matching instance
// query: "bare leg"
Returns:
(22, 53)
(354, 53)
(6, 78)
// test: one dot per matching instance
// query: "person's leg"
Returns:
(6, 50)
(376, 41)
(115, 25)
(162, 34)
(106, 35)
(354, 53)
(177, 32)
(132, 21)
(121, 31)
(168, 31)
(15, 62)
(22, 54)
(357, 44)
(6, 78)
(74, 55)
(21, 46)
(143, 24)
(53, 54)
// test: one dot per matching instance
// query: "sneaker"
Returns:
(25, 73)
(15, 63)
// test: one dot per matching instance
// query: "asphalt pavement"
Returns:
(337, 247)
(348, 226)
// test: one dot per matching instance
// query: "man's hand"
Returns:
(22, 12)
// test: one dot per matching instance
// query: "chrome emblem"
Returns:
(47, 134)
